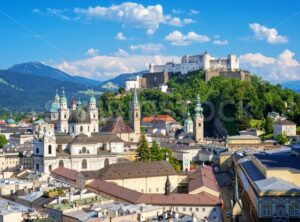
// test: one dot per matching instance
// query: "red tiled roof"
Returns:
(164, 118)
(65, 172)
(135, 197)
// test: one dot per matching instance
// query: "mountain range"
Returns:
(32, 85)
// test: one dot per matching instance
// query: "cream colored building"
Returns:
(9, 161)
(271, 186)
(284, 127)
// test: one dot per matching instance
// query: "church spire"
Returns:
(168, 186)
(198, 109)
(135, 97)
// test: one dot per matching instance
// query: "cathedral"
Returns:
(70, 137)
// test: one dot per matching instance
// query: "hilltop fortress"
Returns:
(159, 75)
(198, 62)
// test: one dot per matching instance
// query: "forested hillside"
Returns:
(229, 104)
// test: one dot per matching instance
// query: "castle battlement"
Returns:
(198, 62)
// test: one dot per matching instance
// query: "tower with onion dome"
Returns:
(199, 122)
(93, 112)
(64, 113)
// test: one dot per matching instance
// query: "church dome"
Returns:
(79, 116)
(11, 121)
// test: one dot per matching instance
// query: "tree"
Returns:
(282, 139)
(155, 150)
(269, 125)
(3, 141)
(143, 150)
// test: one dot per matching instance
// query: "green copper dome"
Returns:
(63, 99)
(198, 109)
(188, 121)
(11, 121)
(92, 98)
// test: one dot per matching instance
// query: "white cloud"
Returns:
(120, 36)
(133, 15)
(92, 52)
(188, 21)
(179, 39)
(284, 67)
(220, 42)
(121, 53)
(59, 13)
(177, 11)
(106, 67)
(271, 35)
(148, 48)
(193, 12)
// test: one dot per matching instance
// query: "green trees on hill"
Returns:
(232, 101)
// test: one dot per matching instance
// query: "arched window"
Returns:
(81, 129)
(94, 115)
(73, 129)
(49, 149)
(137, 114)
(199, 124)
(61, 163)
(50, 168)
(84, 164)
(37, 167)
(84, 149)
(37, 150)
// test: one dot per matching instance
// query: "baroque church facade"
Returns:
(70, 137)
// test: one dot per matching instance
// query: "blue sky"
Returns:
(100, 39)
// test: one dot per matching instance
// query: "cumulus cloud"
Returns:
(271, 35)
(276, 69)
(120, 36)
(149, 48)
(220, 42)
(133, 15)
(92, 52)
(103, 67)
(179, 39)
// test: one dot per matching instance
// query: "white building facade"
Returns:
(198, 62)
(71, 139)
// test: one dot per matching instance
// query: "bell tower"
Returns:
(64, 113)
(199, 122)
(93, 112)
(135, 117)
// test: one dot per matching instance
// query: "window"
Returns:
(84, 164)
(37, 167)
(88, 128)
(81, 129)
(73, 129)
(84, 149)
(49, 149)
(156, 189)
(191, 209)
(149, 190)
(214, 209)
(137, 115)
(37, 150)
(197, 209)
(50, 168)
(183, 209)
(94, 116)
(203, 209)
(61, 163)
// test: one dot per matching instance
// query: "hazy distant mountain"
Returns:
(119, 81)
(42, 70)
(24, 92)
(294, 85)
